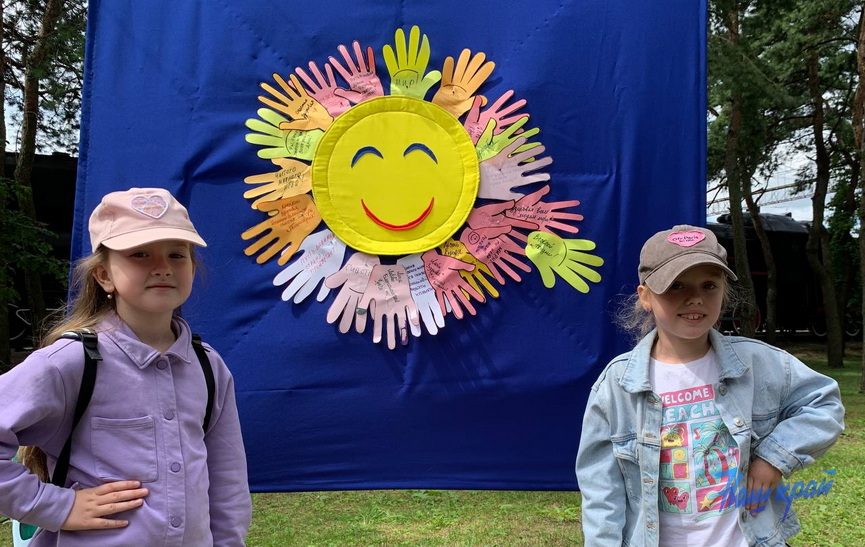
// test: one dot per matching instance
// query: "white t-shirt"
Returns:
(697, 451)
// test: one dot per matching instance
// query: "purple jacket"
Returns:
(144, 422)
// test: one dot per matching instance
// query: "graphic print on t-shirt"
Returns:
(697, 451)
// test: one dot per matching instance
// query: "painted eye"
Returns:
(422, 148)
(363, 152)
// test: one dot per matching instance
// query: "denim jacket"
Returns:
(774, 406)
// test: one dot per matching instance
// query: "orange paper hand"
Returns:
(460, 82)
(295, 102)
(290, 221)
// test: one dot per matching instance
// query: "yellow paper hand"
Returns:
(460, 82)
(407, 67)
(566, 257)
(456, 249)
(290, 221)
(280, 143)
(296, 103)
(293, 178)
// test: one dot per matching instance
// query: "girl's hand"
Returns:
(761, 475)
(92, 504)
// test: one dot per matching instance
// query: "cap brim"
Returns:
(661, 279)
(143, 237)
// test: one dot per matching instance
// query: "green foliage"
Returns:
(24, 243)
(60, 78)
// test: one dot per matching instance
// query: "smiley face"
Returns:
(395, 175)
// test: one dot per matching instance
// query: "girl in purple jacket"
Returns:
(142, 469)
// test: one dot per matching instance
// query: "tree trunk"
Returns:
(859, 135)
(746, 309)
(24, 167)
(5, 349)
(817, 234)
(771, 268)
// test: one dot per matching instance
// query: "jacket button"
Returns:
(739, 422)
(722, 390)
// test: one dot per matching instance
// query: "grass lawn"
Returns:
(445, 517)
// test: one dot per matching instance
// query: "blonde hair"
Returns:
(88, 307)
(635, 320)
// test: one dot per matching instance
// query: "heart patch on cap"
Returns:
(151, 205)
(686, 239)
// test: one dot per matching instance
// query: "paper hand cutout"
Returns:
(495, 215)
(461, 81)
(544, 216)
(323, 89)
(322, 257)
(361, 78)
(353, 277)
(296, 103)
(293, 178)
(495, 249)
(475, 277)
(550, 253)
(423, 294)
(280, 143)
(290, 221)
(388, 295)
(407, 67)
(451, 289)
(509, 169)
(477, 121)
(491, 143)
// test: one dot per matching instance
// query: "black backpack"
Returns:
(91, 354)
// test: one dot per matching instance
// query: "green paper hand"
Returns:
(407, 67)
(292, 179)
(281, 143)
(460, 82)
(566, 257)
(489, 144)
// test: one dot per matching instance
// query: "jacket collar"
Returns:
(118, 332)
(635, 377)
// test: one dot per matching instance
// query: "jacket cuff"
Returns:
(52, 508)
(780, 458)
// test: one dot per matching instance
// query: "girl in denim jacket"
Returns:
(677, 431)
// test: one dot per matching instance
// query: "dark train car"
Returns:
(800, 301)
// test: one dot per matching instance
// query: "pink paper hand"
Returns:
(361, 78)
(323, 89)
(544, 216)
(495, 215)
(353, 277)
(477, 120)
(493, 247)
(503, 172)
(388, 295)
(443, 273)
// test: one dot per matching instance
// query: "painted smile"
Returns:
(398, 227)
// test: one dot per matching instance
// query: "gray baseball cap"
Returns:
(669, 253)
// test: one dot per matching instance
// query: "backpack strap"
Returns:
(91, 354)
(204, 361)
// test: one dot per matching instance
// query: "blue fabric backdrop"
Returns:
(493, 401)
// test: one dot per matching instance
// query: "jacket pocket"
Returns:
(125, 449)
(627, 456)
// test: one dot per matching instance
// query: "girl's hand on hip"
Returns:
(93, 504)
(761, 476)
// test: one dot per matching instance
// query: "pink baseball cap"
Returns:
(138, 216)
